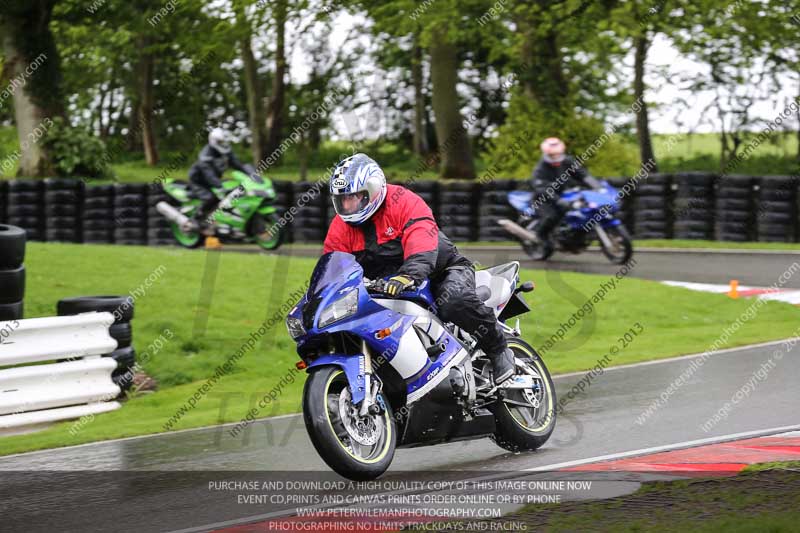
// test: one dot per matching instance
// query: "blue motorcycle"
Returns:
(589, 215)
(387, 372)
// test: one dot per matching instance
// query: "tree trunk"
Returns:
(252, 85)
(33, 67)
(642, 120)
(134, 136)
(420, 139)
(255, 102)
(146, 102)
(451, 135)
(274, 122)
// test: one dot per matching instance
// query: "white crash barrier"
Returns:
(42, 393)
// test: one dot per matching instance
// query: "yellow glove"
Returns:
(396, 284)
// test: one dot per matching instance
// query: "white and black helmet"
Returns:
(360, 176)
(219, 140)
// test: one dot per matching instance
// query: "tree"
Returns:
(275, 108)
(442, 31)
(254, 90)
(32, 63)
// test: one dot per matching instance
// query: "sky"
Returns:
(664, 60)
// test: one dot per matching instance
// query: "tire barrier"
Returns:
(62, 204)
(627, 208)
(36, 394)
(690, 205)
(492, 206)
(776, 209)
(130, 213)
(651, 216)
(734, 209)
(25, 207)
(310, 223)
(12, 272)
(121, 309)
(693, 206)
(457, 208)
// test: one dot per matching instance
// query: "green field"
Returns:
(247, 288)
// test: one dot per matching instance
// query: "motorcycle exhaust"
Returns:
(172, 214)
(518, 231)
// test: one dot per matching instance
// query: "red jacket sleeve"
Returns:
(337, 239)
(420, 238)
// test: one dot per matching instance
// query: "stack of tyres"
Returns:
(121, 308)
(130, 213)
(283, 202)
(428, 190)
(25, 208)
(625, 197)
(652, 214)
(3, 200)
(159, 231)
(694, 206)
(493, 206)
(97, 217)
(457, 209)
(776, 209)
(62, 204)
(733, 209)
(310, 222)
(12, 272)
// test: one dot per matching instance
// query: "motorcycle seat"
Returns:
(494, 285)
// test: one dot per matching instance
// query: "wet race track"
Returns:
(176, 481)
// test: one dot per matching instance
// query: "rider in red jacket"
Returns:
(392, 233)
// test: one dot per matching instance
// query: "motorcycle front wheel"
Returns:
(621, 248)
(356, 447)
(526, 418)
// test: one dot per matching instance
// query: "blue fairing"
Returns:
(603, 202)
(336, 275)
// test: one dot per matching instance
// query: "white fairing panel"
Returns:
(500, 280)
(411, 356)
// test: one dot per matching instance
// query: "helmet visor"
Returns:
(553, 158)
(350, 204)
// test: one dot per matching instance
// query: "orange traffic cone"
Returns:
(734, 292)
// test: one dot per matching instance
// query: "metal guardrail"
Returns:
(42, 393)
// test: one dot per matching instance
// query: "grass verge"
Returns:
(211, 303)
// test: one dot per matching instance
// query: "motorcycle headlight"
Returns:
(295, 327)
(343, 307)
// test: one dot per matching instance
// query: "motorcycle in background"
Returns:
(245, 213)
(590, 215)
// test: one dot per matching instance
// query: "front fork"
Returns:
(372, 385)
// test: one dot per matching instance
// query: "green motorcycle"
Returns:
(245, 212)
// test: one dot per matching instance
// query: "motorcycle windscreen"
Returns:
(333, 270)
(600, 198)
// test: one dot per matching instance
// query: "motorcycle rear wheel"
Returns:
(325, 400)
(537, 251)
(187, 239)
(526, 428)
